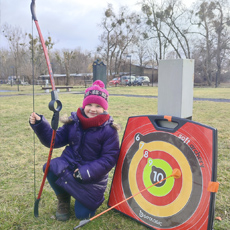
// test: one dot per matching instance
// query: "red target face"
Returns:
(152, 168)
(149, 155)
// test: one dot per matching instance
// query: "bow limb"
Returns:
(55, 105)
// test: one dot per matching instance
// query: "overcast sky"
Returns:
(70, 23)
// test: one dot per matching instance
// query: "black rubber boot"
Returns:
(63, 208)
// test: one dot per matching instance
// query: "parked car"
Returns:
(128, 80)
(24, 83)
(142, 80)
(115, 81)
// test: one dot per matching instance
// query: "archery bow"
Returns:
(55, 105)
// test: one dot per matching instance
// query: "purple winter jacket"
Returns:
(93, 151)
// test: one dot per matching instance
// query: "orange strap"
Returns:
(213, 186)
(169, 118)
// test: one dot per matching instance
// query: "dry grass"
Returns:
(18, 154)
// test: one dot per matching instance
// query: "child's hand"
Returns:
(33, 118)
(77, 175)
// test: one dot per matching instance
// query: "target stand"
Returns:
(149, 152)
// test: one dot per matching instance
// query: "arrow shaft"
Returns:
(130, 197)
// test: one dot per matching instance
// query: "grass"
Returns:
(20, 155)
(220, 92)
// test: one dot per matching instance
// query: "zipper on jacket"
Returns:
(82, 141)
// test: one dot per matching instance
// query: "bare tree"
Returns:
(35, 47)
(221, 25)
(73, 61)
(17, 44)
(82, 63)
(175, 16)
(205, 16)
(153, 26)
(109, 22)
(120, 31)
(68, 56)
(167, 24)
(213, 22)
(141, 48)
(65, 58)
(5, 65)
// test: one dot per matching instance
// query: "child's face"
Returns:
(92, 110)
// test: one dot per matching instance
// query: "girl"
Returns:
(92, 149)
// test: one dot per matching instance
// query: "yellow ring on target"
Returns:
(182, 199)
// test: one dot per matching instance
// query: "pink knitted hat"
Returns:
(96, 94)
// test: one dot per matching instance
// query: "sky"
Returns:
(70, 23)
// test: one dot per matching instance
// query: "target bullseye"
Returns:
(178, 203)
(163, 192)
(154, 171)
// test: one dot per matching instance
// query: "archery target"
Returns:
(147, 156)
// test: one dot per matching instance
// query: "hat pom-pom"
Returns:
(99, 83)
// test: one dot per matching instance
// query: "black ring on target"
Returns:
(190, 207)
